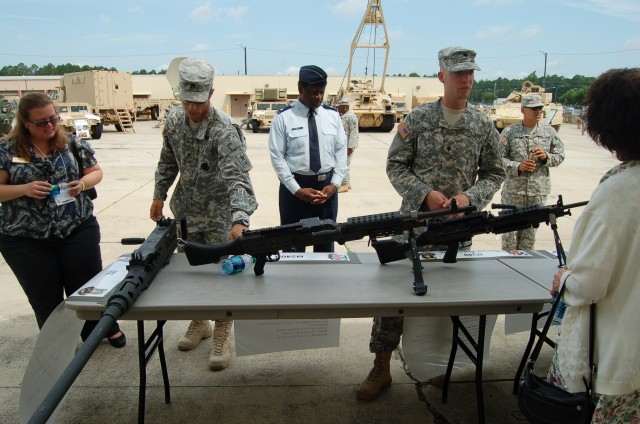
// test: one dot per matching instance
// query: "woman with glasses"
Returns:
(48, 233)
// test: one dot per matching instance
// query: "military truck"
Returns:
(373, 107)
(400, 105)
(75, 115)
(508, 112)
(108, 92)
(264, 105)
(8, 109)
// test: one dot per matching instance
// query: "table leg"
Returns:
(533, 333)
(142, 365)
(146, 349)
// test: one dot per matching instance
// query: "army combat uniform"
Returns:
(350, 124)
(527, 188)
(214, 188)
(428, 154)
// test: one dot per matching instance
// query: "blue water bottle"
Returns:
(557, 319)
(236, 264)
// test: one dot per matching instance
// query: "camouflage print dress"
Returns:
(429, 154)
(214, 188)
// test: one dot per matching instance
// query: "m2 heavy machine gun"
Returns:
(145, 263)
(265, 244)
(452, 232)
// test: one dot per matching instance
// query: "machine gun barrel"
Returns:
(451, 232)
(265, 244)
(145, 263)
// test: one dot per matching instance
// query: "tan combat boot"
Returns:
(197, 331)
(379, 377)
(220, 354)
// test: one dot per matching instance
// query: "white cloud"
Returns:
(349, 7)
(497, 2)
(135, 9)
(494, 32)
(633, 43)
(201, 47)
(623, 9)
(207, 13)
(508, 33)
(291, 70)
(105, 19)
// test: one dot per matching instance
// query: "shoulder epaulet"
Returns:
(284, 108)
(326, 106)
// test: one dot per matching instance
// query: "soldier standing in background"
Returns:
(350, 124)
(442, 151)
(530, 149)
(214, 193)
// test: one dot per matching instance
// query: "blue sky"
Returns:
(580, 37)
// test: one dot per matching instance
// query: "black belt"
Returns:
(315, 177)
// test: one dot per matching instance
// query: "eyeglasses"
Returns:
(536, 108)
(45, 122)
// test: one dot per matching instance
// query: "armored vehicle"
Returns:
(508, 113)
(264, 105)
(400, 105)
(8, 109)
(373, 107)
(75, 116)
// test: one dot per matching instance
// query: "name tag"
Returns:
(17, 159)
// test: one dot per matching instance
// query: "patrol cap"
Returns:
(456, 59)
(531, 100)
(343, 102)
(196, 79)
(312, 75)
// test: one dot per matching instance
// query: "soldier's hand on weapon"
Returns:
(461, 201)
(436, 201)
(310, 195)
(156, 209)
(236, 231)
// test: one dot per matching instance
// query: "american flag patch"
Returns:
(403, 130)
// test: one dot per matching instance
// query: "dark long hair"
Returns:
(613, 115)
(21, 136)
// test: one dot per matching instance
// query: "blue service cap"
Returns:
(312, 75)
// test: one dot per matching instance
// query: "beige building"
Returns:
(232, 93)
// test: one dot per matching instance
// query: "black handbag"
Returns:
(91, 192)
(543, 402)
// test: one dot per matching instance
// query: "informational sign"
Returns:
(104, 282)
(426, 343)
(82, 128)
(265, 336)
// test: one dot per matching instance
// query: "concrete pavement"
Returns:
(311, 386)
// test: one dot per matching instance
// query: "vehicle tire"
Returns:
(96, 131)
(118, 128)
(254, 126)
(388, 122)
(154, 113)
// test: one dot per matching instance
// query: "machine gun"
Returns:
(145, 263)
(451, 232)
(265, 244)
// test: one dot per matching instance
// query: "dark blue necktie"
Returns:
(314, 145)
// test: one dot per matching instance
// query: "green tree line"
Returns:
(50, 69)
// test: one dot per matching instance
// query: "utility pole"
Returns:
(544, 78)
(245, 57)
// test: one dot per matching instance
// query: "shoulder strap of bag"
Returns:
(545, 330)
(74, 151)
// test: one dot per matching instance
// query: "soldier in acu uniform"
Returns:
(214, 193)
(350, 124)
(442, 151)
(530, 149)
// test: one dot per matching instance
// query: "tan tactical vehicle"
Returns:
(400, 105)
(77, 115)
(373, 107)
(509, 113)
(8, 108)
(264, 105)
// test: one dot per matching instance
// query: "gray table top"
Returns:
(331, 290)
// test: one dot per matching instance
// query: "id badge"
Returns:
(60, 193)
